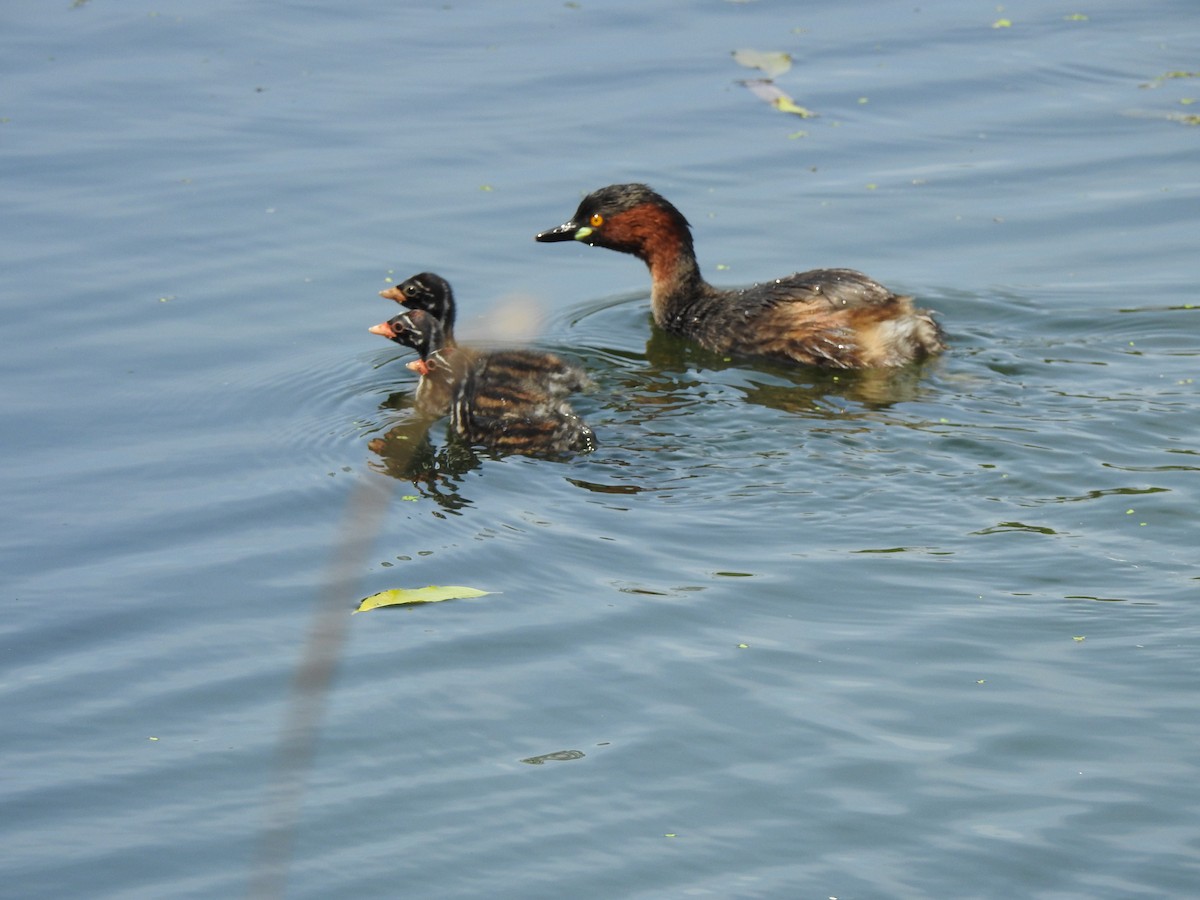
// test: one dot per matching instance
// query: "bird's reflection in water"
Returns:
(795, 389)
(407, 453)
(672, 376)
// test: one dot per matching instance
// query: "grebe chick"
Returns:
(510, 401)
(431, 293)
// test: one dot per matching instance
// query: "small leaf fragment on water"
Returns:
(1002, 23)
(557, 756)
(771, 62)
(1079, 637)
(764, 89)
(1167, 76)
(431, 594)
(1076, 17)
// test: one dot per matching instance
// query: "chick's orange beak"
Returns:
(384, 329)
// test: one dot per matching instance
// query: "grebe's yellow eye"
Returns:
(596, 220)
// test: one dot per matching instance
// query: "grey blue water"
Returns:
(784, 634)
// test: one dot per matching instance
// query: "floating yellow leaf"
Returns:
(771, 62)
(765, 90)
(431, 594)
(1002, 23)
(785, 104)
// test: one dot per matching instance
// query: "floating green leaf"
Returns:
(771, 62)
(431, 594)
(765, 90)
(1169, 76)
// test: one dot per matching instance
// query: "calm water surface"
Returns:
(930, 634)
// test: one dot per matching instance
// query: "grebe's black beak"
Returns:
(568, 231)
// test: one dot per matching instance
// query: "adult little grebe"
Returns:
(431, 293)
(511, 401)
(836, 318)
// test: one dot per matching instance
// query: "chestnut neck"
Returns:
(662, 240)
